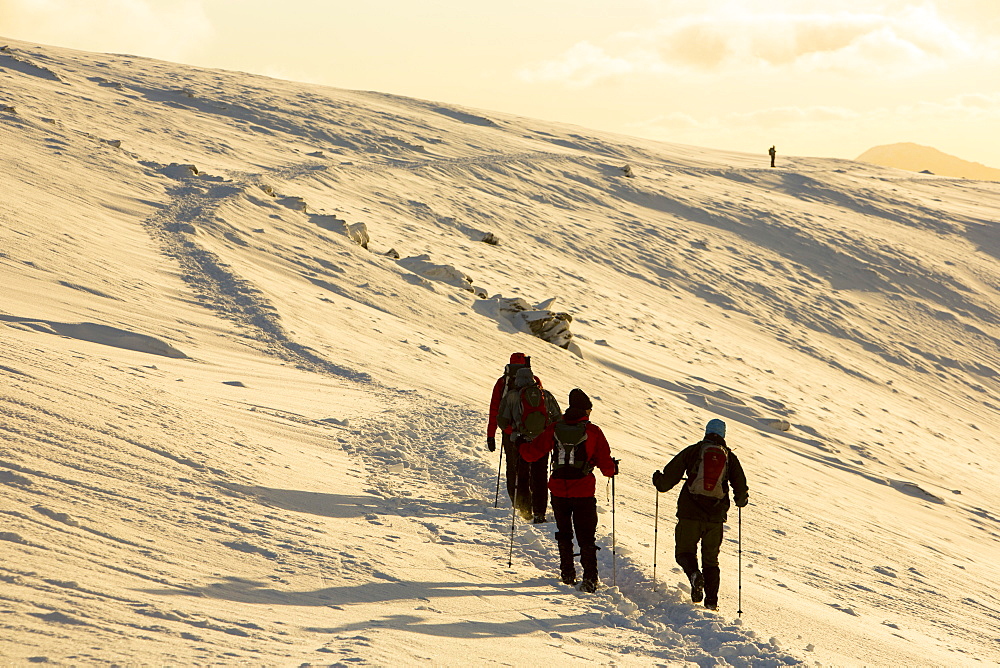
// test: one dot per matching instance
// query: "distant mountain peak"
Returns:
(925, 159)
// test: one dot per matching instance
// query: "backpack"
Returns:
(709, 471)
(509, 372)
(534, 412)
(569, 454)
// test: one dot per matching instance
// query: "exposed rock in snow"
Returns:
(358, 232)
(550, 326)
(544, 323)
(779, 424)
(422, 266)
(179, 171)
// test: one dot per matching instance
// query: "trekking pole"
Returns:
(739, 570)
(614, 555)
(496, 498)
(656, 533)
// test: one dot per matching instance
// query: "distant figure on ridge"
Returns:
(772, 152)
(524, 413)
(711, 468)
(577, 446)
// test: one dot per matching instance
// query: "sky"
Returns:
(811, 77)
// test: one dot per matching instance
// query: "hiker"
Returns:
(504, 384)
(577, 446)
(711, 469)
(772, 152)
(524, 413)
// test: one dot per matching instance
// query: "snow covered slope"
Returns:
(231, 433)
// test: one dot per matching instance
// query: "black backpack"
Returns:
(569, 454)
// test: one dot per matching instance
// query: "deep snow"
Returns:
(233, 435)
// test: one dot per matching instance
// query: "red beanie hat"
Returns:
(517, 358)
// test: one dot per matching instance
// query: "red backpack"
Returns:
(534, 412)
(709, 471)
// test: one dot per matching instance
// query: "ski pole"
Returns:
(496, 498)
(656, 533)
(739, 570)
(614, 554)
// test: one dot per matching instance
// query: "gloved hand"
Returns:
(658, 481)
(491, 443)
(742, 501)
(616, 465)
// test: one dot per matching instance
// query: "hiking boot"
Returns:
(568, 577)
(540, 519)
(525, 513)
(588, 585)
(712, 575)
(697, 586)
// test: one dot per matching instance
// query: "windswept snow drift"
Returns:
(248, 348)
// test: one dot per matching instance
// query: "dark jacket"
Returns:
(696, 506)
(598, 453)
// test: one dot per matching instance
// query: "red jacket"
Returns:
(491, 427)
(598, 452)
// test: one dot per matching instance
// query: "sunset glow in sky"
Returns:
(811, 77)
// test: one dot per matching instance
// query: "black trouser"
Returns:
(510, 452)
(579, 514)
(687, 535)
(530, 479)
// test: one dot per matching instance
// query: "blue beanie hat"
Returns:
(716, 426)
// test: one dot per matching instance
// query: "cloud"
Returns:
(727, 39)
(580, 66)
(761, 119)
(168, 29)
(913, 40)
(954, 109)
